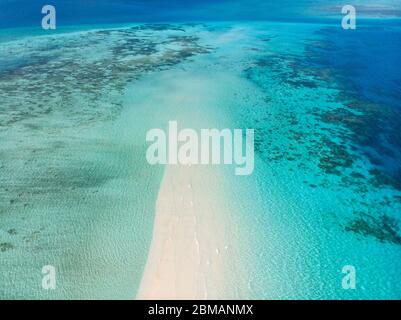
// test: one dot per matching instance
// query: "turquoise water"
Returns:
(76, 191)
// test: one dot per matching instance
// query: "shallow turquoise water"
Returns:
(76, 191)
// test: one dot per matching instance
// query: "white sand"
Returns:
(195, 251)
(192, 241)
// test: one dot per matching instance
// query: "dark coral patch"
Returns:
(5, 246)
(383, 228)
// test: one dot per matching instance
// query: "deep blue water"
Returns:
(369, 60)
(15, 13)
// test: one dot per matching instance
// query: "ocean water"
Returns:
(76, 191)
(328, 171)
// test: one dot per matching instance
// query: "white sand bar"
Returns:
(191, 247)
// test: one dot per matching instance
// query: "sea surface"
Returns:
(77, 193)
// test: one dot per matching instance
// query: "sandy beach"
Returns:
(191, 239)
(196, 246)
